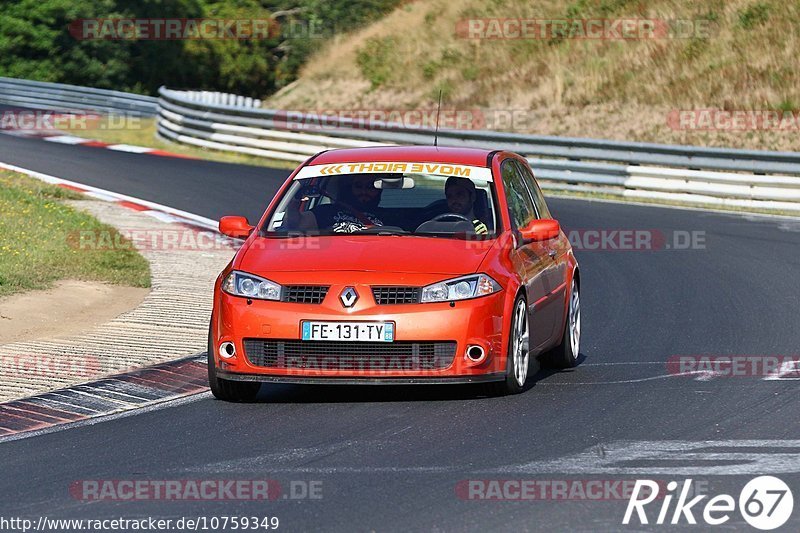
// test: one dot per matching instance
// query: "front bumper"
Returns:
(469, 322)
(310, 380)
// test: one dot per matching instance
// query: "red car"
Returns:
(393, 265)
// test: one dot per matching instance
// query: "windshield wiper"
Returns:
(382, 230)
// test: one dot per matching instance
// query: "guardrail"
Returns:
(211, 97)
(724, 177)
(73, 99)
(228, 122)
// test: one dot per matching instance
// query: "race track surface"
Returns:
(391, 458)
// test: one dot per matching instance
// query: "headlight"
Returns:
(250, 286)
(460, 289)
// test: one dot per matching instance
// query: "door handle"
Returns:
(551, 253)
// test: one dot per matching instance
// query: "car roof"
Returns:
(415, 154)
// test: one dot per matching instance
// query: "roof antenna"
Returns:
(436, 132)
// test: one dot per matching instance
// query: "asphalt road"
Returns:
(195, 186)
(391, 459)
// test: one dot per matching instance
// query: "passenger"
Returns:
(356, 209)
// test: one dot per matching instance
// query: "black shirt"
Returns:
(341, 218)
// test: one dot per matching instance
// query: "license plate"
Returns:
(348, 331)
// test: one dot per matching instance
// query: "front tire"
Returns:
(227, 390)
(565, 355)
(518, 353)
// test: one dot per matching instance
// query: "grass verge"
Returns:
(35, 244)
(142, 132)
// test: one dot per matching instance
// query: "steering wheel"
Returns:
(445, 216)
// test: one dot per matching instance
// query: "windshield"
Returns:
(386, 204)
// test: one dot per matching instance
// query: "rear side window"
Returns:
(520, 204)
(536, 192)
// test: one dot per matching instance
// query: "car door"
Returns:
(555, 270)
(529, 259)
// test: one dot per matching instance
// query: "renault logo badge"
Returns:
(348, 297)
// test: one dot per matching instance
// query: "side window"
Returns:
(536, 192)
(520, 205)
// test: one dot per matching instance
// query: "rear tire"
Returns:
(227, 390)
(565, 355)
(518, 358)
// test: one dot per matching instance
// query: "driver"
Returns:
(461, 194)
(355, 210)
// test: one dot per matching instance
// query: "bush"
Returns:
(753, 16)
(35, 43)
(374, 60)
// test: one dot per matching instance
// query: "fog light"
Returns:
(476, 353)
(227, 350)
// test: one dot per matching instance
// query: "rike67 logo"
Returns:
(765, 503)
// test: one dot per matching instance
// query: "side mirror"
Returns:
(236, 227)
(540, 230)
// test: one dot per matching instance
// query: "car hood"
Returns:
(365, 253)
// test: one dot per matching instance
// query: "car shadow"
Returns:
(286, 393)
(545, 372)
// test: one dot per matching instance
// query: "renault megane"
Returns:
(397, 265)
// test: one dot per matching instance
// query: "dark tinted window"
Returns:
(536, 192)
(520, 205)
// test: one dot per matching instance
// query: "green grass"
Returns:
(754, 15)
(38, 244)
(374, 60)
(142, 132)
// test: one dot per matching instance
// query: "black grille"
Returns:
(305, 294)
(340, 355)
(396, 295)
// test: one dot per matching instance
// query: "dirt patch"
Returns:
(68, 308)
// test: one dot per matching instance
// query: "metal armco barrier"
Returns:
(72, 98)
(210, 97)
(228, 122)
(724, 177)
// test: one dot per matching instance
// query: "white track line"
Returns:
(743, 214)
(66, 139)
(204, 222)
(156, 405)
(129, 148)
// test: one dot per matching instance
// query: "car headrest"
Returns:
(481, 206)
